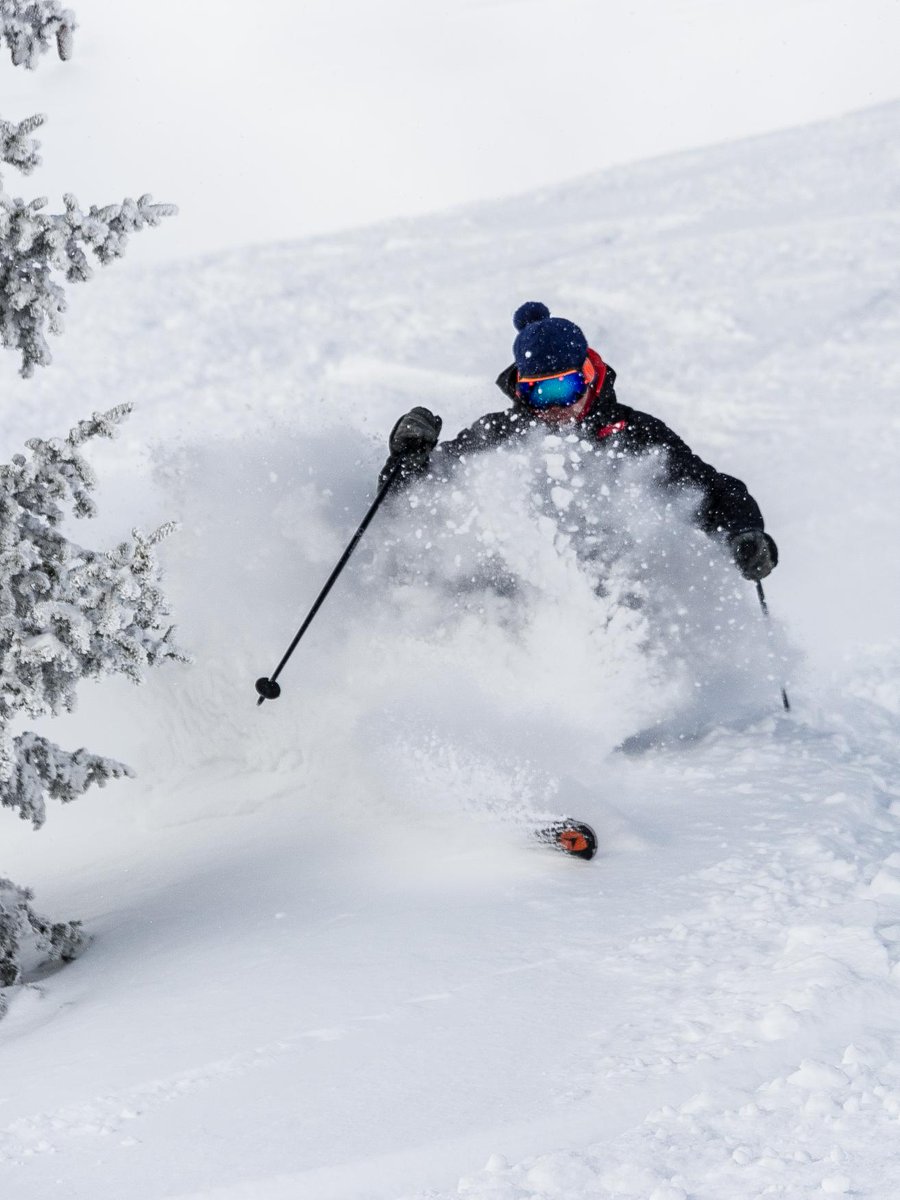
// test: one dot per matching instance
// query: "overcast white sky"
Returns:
(293, 117)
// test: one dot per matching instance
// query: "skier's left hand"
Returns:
(754, 552)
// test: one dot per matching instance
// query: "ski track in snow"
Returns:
(327, 963)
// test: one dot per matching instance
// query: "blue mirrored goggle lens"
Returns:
(562, 390)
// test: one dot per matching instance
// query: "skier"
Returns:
(558, 381)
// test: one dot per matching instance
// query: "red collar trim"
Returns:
(617, 427)
(596, 383)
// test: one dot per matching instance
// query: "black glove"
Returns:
(754, 552)
(415, 433)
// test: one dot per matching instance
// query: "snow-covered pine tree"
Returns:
(36, 247)
(66, 614)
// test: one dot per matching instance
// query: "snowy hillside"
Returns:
(328, 961)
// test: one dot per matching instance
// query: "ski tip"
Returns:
(574, 838)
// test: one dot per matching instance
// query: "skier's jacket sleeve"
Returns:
(726, 506)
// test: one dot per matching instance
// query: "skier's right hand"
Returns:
(416, 432)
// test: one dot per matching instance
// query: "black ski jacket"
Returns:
(726, 506)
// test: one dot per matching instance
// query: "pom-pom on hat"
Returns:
(546, 345)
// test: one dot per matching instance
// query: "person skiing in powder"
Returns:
(558, 381)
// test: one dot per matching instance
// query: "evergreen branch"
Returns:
(17, 147)
(30, 27)
(23, 931)
(34, 245)
(44, 769)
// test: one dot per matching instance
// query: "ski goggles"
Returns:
(553, 391)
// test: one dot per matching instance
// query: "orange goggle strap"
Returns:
(587, 369)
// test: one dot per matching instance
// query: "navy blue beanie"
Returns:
(546, 345)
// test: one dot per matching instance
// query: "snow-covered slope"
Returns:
(327, 961)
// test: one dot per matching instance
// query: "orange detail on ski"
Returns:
(572, 841)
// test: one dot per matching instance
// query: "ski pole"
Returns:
(267, 688)
(765, 609)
